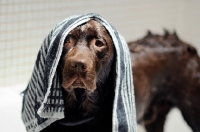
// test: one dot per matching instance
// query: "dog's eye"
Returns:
(67, 39)
(99, 43)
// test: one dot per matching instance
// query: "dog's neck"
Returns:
(80, 121)
(80, 107)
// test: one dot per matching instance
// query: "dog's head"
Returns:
(86, 62)
(87, 54)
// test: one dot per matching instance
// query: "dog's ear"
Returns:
(60, 67)
(112, 73)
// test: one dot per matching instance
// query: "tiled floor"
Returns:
(10, 113)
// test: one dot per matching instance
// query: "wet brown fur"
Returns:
(166, 74)
(87, 74)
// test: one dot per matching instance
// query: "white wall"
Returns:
(191, 22)
(25, 23)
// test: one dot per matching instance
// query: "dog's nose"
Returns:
(79, 65)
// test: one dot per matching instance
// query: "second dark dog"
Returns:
(166, 74)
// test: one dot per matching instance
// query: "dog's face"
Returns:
(86, 61)
(88, 50)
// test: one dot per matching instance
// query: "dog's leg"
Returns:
(190, 111)
(155, 119)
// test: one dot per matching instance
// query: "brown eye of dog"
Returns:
(67, 39)
(99, 43)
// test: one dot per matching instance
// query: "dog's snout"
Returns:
(79, 65)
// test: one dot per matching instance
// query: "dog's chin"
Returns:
(79, 84)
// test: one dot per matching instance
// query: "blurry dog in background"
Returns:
(166, 74)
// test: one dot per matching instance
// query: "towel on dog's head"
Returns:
(43, 101)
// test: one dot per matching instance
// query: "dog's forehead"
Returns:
(81, 28)
(91, 29)
(91, 25)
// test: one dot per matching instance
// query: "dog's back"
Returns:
(166, 74)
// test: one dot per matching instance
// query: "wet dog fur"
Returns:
(166, 74)
(87, 72)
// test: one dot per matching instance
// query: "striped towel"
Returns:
(43, 101)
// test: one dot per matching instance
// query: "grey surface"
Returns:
(10, 114)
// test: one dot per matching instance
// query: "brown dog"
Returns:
(87, 73)
(166, 74)
(87, 56)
